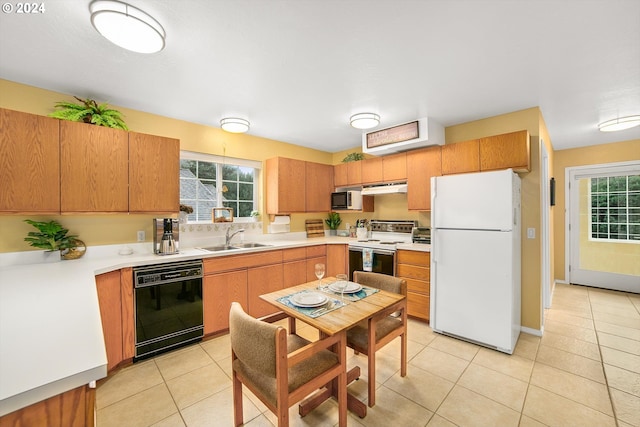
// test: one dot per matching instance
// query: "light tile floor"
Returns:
(584, 371)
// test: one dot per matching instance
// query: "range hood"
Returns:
(384, 189)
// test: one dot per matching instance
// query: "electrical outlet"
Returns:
(141, 236)
(531, 233)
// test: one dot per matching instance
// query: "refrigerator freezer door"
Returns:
(480, 201)
(472, 287)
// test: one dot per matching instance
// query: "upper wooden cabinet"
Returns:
(318, 187)
(93, 168)
(371, 170)
(347, 174)
(509, 150)
(286, 185)
(461, 157)
(29, 163)
(421, 166)
(154, 173)
(394, 167)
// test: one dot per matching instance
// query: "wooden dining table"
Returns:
(337, 322)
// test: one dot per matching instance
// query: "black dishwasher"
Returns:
(168, 306)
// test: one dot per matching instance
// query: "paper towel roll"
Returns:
(280, 224)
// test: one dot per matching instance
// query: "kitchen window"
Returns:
(615, 208)
(208, 181)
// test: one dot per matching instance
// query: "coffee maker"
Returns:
(166, 236)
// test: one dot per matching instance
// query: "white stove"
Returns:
(386, 235)
(379, 250)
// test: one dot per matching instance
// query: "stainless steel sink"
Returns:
(249, 245)
(219, 248)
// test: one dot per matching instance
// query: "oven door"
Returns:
(384, 261)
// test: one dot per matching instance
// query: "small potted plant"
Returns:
(89, 111)
(255, 215)
(52, 237)
(333, 221)
(185, 210)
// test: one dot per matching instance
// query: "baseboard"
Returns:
(530, 331)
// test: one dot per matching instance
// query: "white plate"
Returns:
(351, 288)
(309, 299)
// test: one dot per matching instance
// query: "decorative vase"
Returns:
(333, 232)
(182, 217)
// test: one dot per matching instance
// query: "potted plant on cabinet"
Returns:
(333, 221)
(89, 111)
(53, 237)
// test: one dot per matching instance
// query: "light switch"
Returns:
(531, 233)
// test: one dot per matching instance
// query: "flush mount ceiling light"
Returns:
(364, 120)
(127, 26)
(620, 123)
(234, 124)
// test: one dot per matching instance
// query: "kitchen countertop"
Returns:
(50, 328)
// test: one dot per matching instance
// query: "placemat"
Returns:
(313, 312)
(355, 296)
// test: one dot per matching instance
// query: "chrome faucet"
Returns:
(230, 236)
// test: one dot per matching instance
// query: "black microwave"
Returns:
(343, 200)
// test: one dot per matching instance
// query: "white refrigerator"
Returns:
(475, 258)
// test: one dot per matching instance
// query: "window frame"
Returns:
(220, 162)
(608, 193)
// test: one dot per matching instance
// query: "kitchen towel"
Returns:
(367, 259)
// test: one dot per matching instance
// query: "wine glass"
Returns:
(341, 284)
(319, 268)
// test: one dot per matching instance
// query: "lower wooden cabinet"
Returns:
(218, 292)
(262, 280)
(414, 267)
(74, 408)
(115, 296)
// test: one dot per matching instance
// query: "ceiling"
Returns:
(298, 69)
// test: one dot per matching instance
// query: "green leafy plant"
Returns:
(89, 111)
(333, 220)
(352, 157)
(255, 214)
(51, 236)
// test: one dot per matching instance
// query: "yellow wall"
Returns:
(593, 155)
(529, 119)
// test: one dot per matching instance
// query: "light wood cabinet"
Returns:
(318, 187)
(128, 314)
(371, 170)
(337, 260)
(218, 292)
(73, 408)
(394, 167)
(94, 163)
(115, 297)
(347, 174)
(461, 157)
(29, 163)
(421, 166)
(154, 171)
(509, 150)
(414, 267)
(110, 300)
(286, 185)
(262, 280)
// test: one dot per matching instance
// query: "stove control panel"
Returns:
(393, 226)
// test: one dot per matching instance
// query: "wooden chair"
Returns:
(370, 336)
(281, 370)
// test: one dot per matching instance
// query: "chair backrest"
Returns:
(253, 341)
(381, 281)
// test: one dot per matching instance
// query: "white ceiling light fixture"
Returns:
(621, 123)
(364, 120)
(127, 26)
(234, 125)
